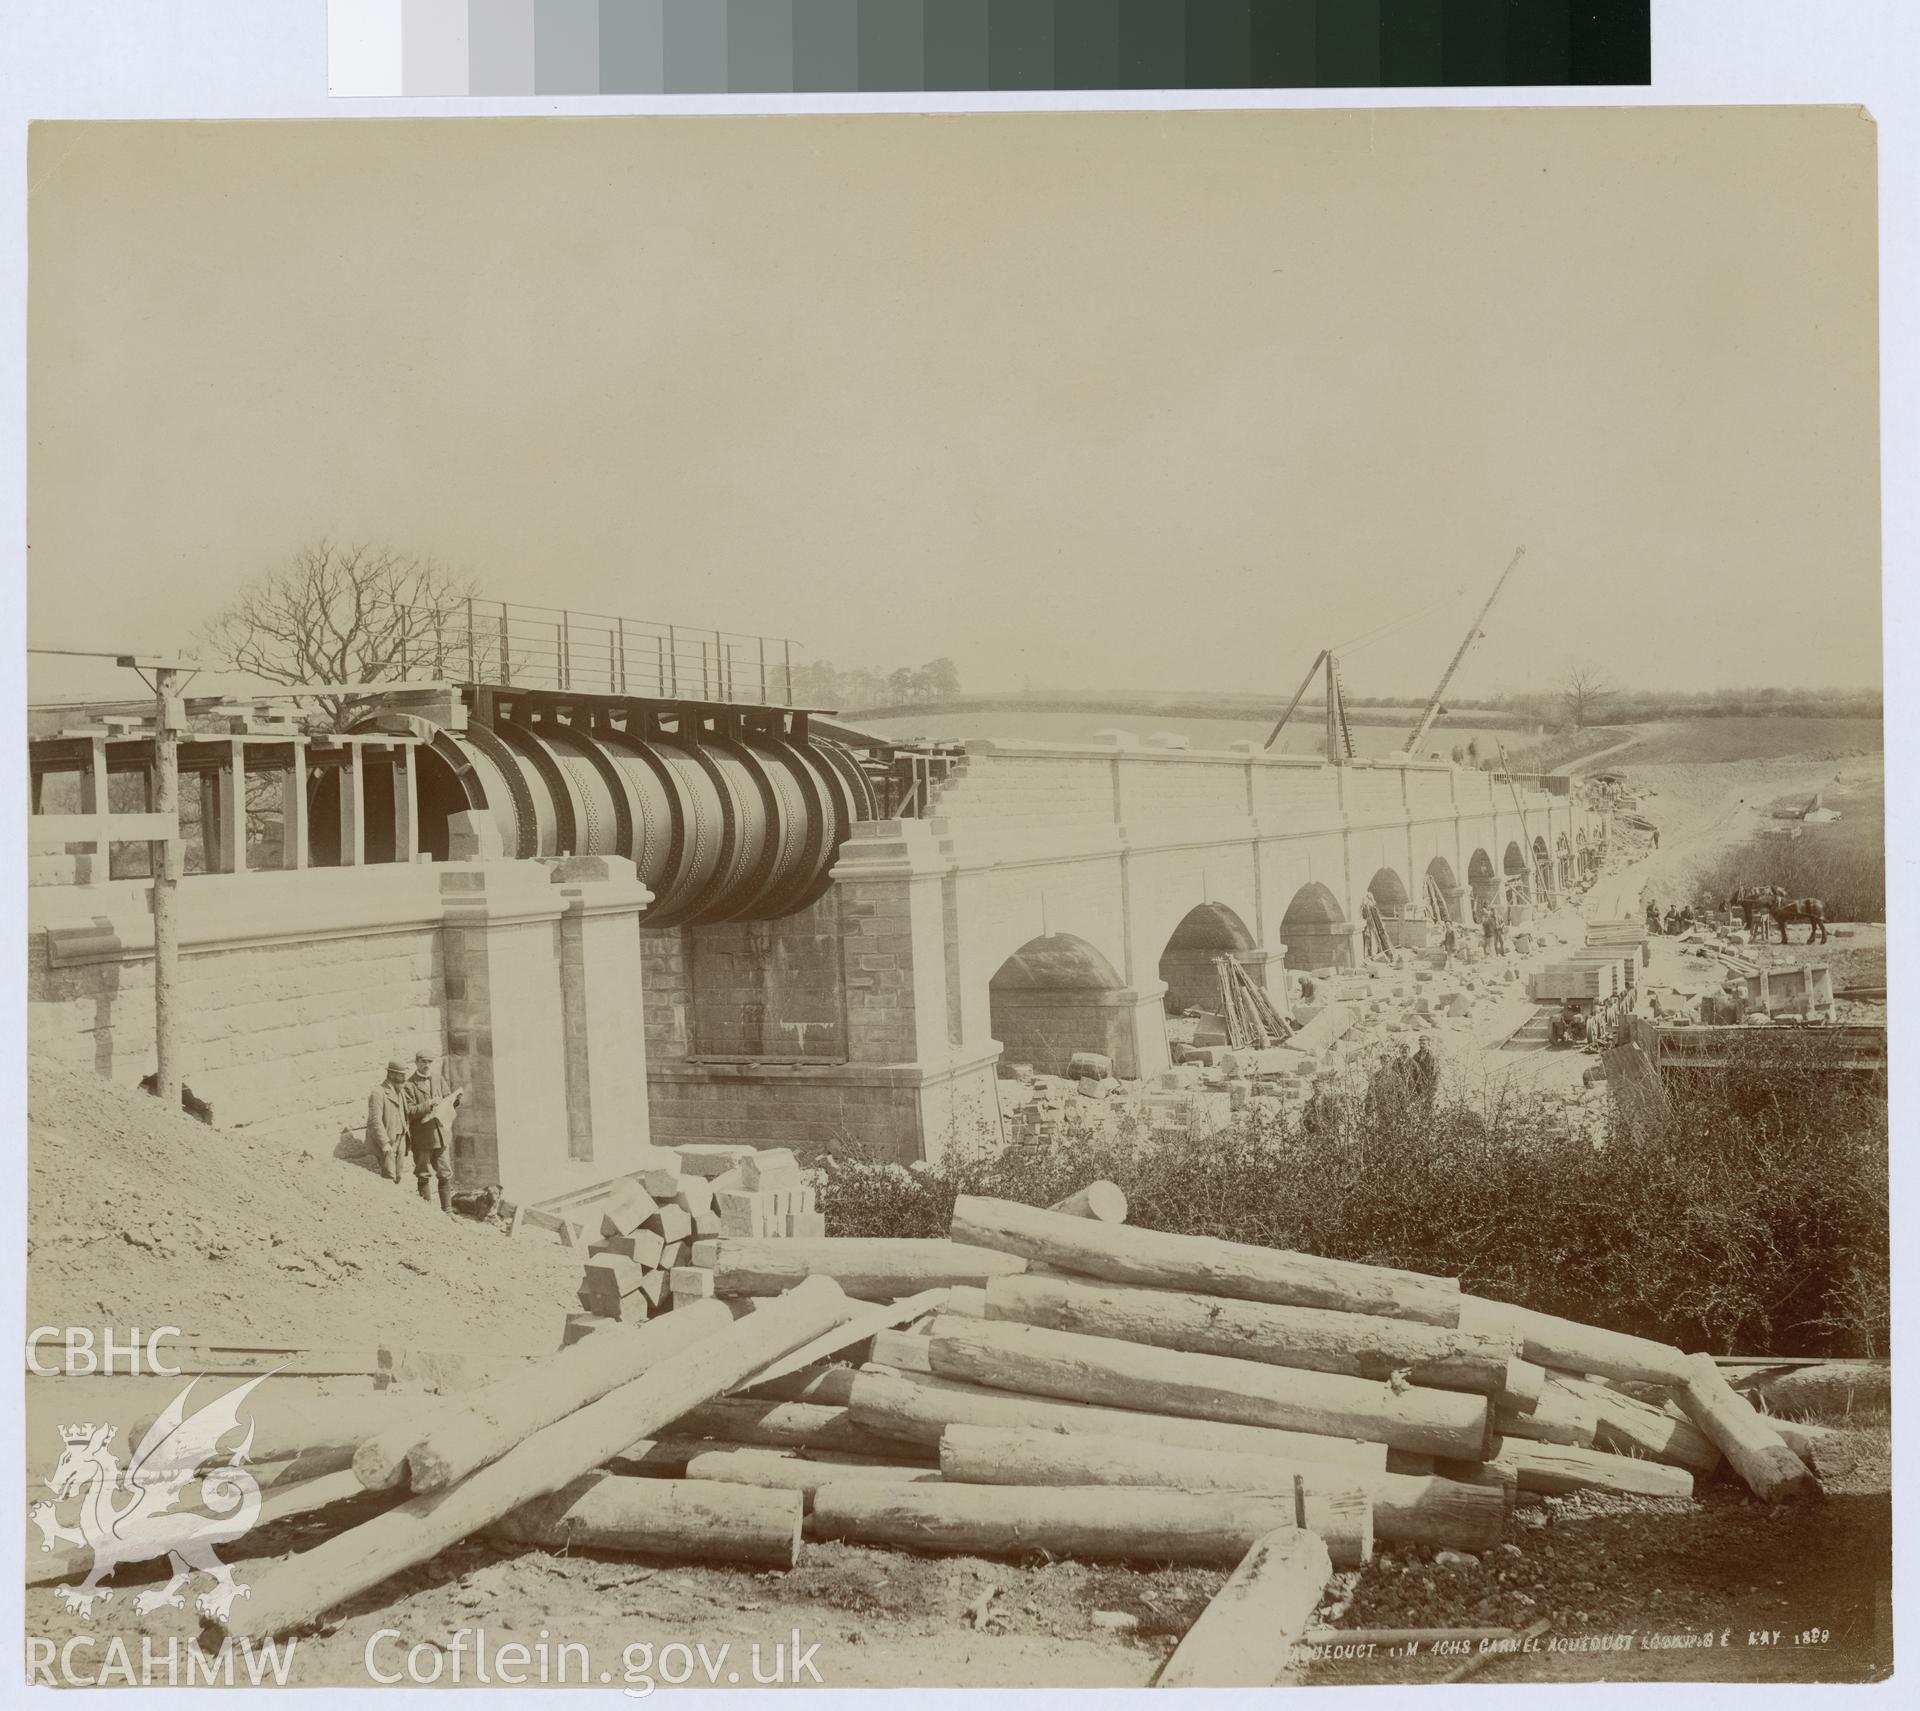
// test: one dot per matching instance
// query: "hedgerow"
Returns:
(1749, 1218)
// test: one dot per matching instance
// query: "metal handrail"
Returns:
(509, 644)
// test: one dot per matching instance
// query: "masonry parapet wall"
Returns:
(295, 987)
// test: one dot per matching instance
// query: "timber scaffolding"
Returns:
(987, 1393)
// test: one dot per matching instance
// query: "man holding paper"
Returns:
(431, 1104)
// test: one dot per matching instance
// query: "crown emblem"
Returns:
(74, 1435)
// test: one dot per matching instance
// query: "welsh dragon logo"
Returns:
(153, 1508)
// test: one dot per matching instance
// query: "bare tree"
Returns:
(346, 615)
(1585, 692)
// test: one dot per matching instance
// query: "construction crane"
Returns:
(1473, 634)
(1339, 732)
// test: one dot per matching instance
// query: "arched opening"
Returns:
(1314, 929)
(1542, 866)
(1403, 921)
(1188, 964)
(1483, 884)
(1389, 891)
(1057, 995)
(1517, 883)
(1446, 897)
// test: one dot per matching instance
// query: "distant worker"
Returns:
(387, 1122)
(1656, 837)
(1653, 916)
(1742, 900)
(431, 1103)
(1426, 1071)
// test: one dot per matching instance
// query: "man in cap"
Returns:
(387, 1127)
(431, 1102)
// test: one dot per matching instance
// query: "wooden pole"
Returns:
(1558, 1469)
(1106, 1371)
(1755, 1449)
(448, 1441)
(353, 804)
(96, 799)
(760, 1423)
(829, 1385)
(165, 862)
(1359, 1345)
(684, 1520)
(780, 1472)
(232, 794)
(869, 1268)
(860, 1328)
(299, 1589)
(1203, 1264)
(1407, 1508)
(1247, 1635)
(294, 854)
(1560, 1418)
(918, 1410)
(1018, 1521)
(406, 804)
(1624, 1426)
(1492, 1654)
(1102, 1201)
(1574, 1347)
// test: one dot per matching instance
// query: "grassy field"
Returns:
(1380, 733)
(1215, 723)
(1694, 740)
(1844, 864)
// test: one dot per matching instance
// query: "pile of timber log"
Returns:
(1271, 1410)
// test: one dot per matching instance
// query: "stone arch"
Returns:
(1452, 893)
(1542, 865)
(1206, 931)
(1517, 877)
(1483, 884)
(1057, 995)
(1314, 929)
(1389, 891)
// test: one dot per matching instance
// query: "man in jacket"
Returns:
(430, 1127)
(387, 1128)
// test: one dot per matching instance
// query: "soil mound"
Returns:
(140, 1216)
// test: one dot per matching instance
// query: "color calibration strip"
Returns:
(742, 47)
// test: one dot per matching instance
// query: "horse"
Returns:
(1785, 911)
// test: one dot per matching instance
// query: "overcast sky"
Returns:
(1148, 400)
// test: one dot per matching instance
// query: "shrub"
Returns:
(1844, 865)
(1742, 1221)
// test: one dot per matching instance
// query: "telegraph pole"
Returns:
(164, 858)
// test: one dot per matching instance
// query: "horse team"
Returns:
(1761, 904)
